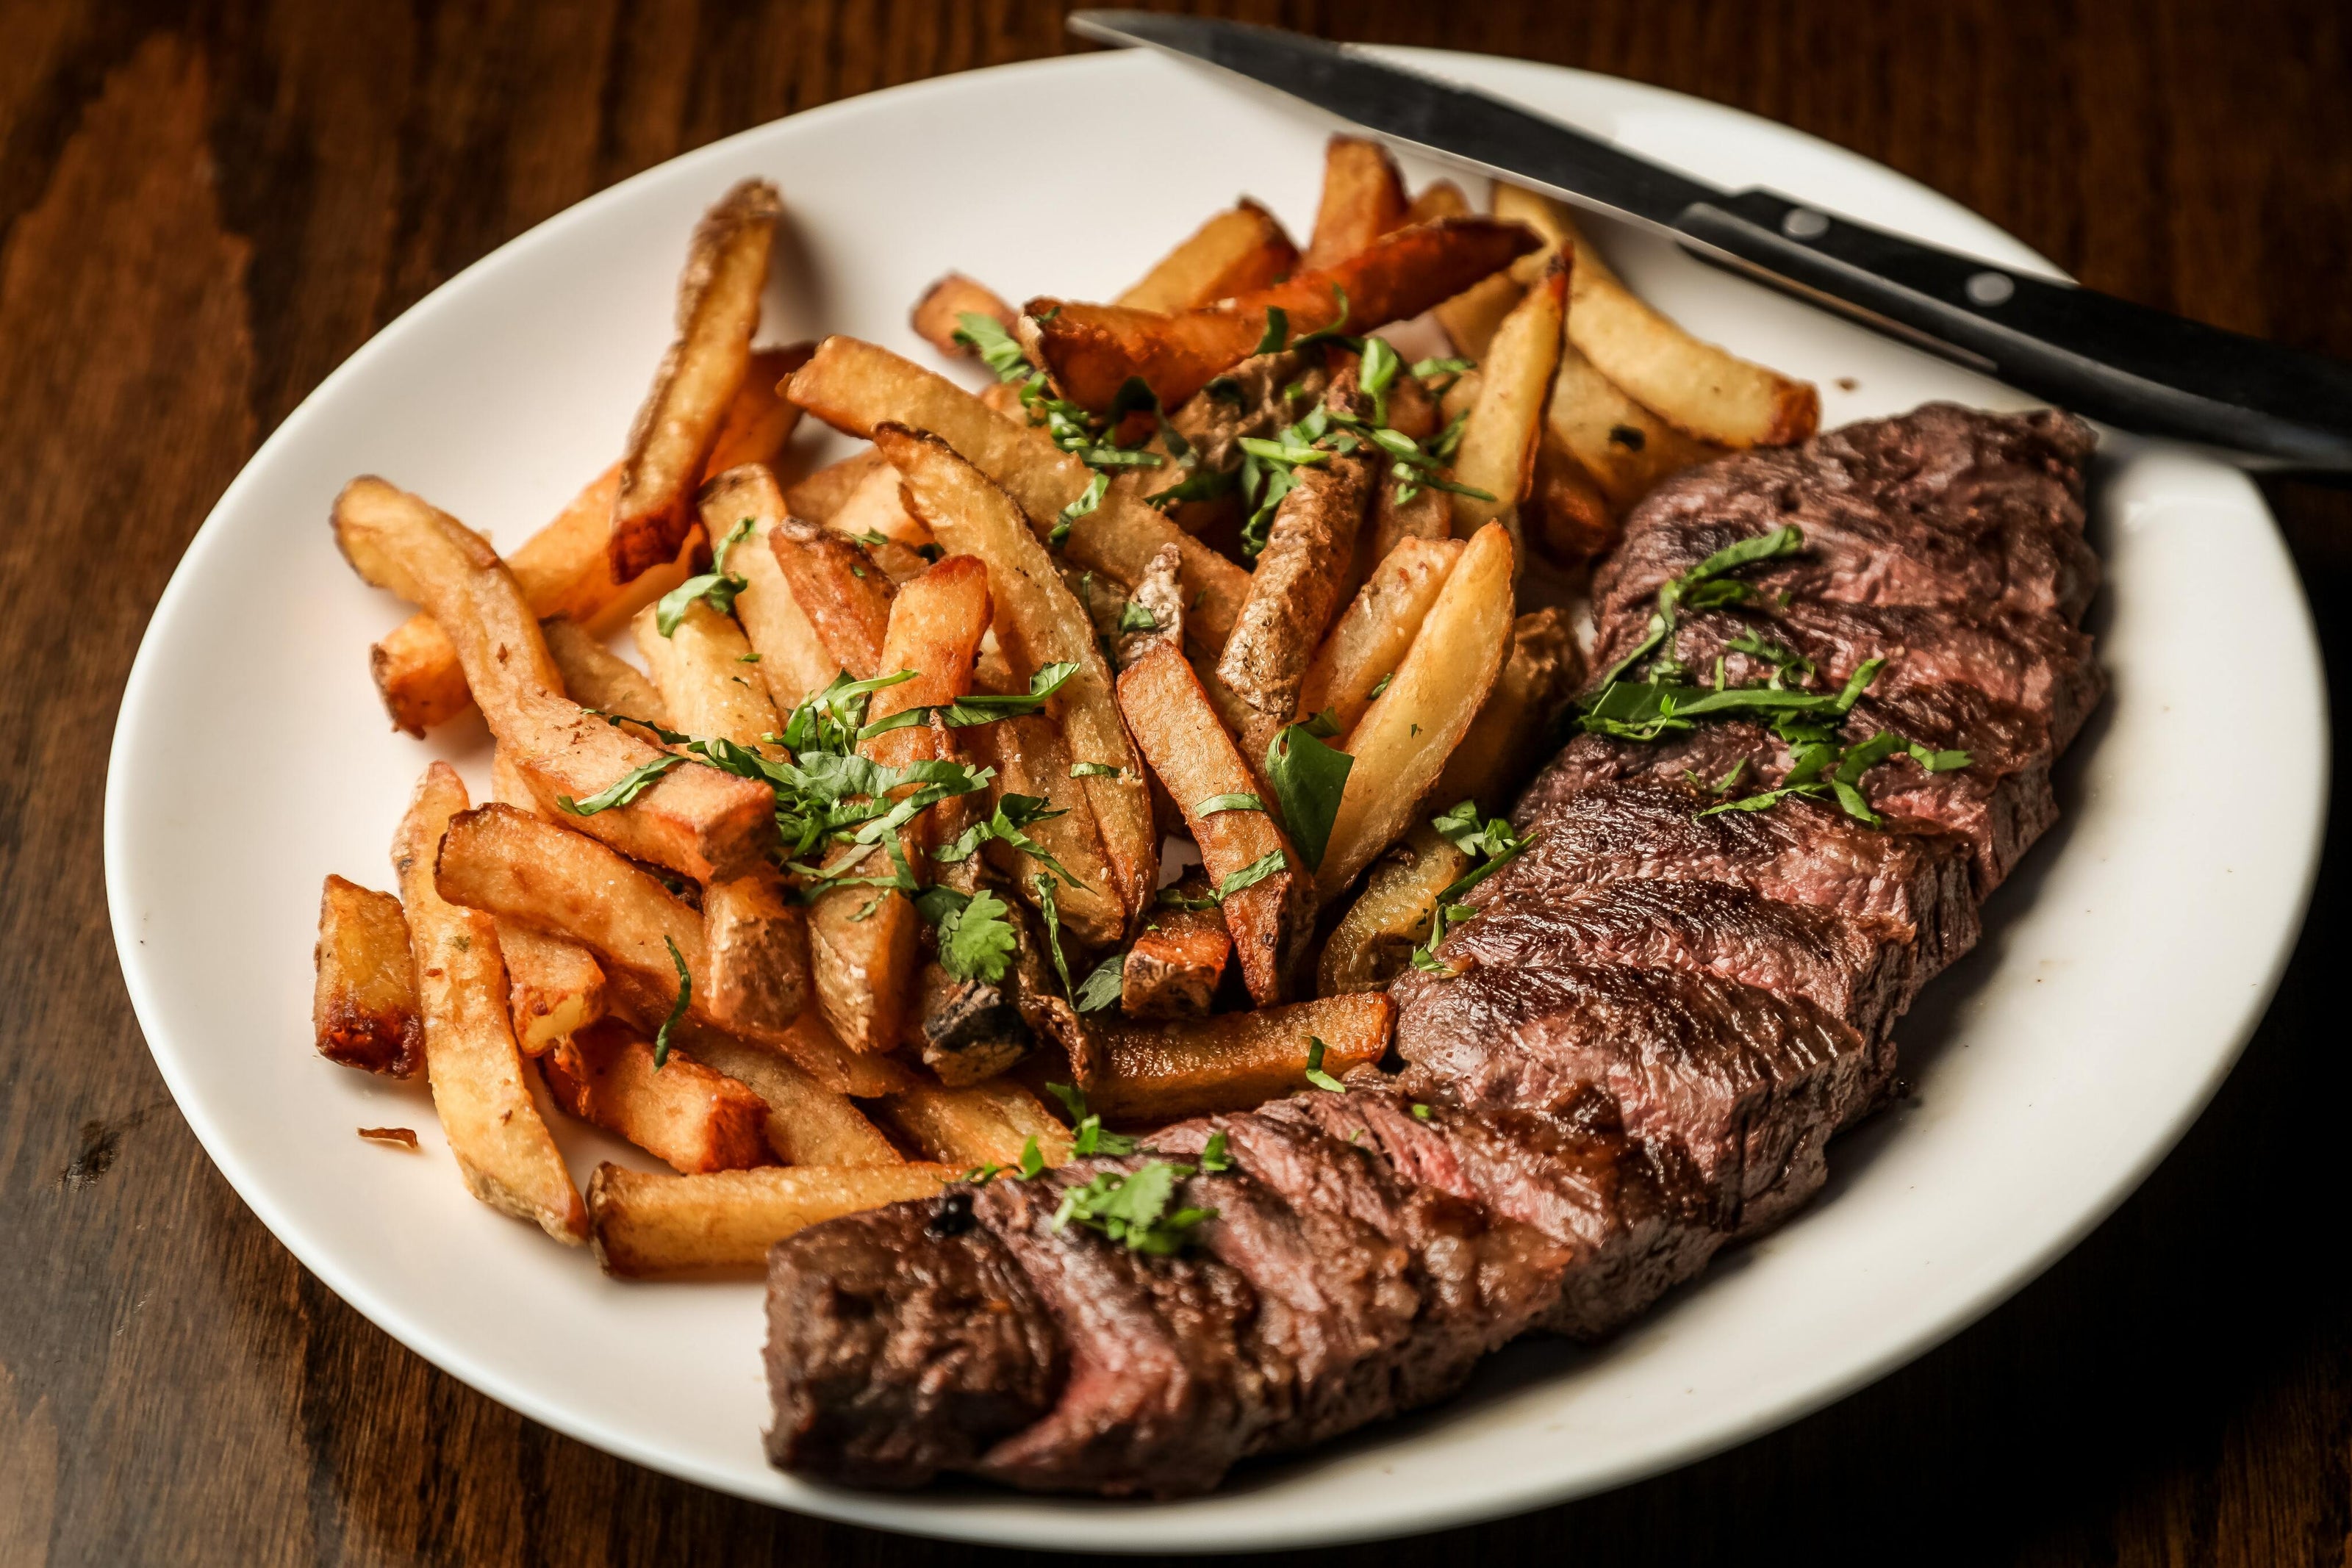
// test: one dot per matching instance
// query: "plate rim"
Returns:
(1064, 1523)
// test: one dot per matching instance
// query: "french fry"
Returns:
(1272, 919)
(1426, 514)
(792, 659)
(1158, 1072)
(878, 507)
(934, 318)
(694, 820)
(1497, 453)
(822, 493)
(680, 1111)
(1300, 579)
(1512, 734)
(1092, 349)
(1369, 640)
(501, 1146)
(1179, 958)
(1404, 738)
(1375, 940)
(1031, 758)
(562, 571)
(554, 985)
(678, 427)
(756, 939)
(1242, 248)
(1038, 622)
(364, 1009)
(980, 1125)
(862, 954)
(594, 676)
(645, 1225)
(854, 387)
(844, 595)
(505, 862)
(807, 1124)
(1566, 514)
(761, 419)
(1625, 447)
(704, 671)
(1703, 390)
(1363, 198)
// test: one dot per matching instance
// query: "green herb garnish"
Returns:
(1308, 777)
(677, 1008)
(1315, 1074)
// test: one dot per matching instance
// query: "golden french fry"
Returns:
(854, 386)
(562, 571)
(1624, 447)
(818, 497)
(1030, 758)
(554, 985)
(1179, 958)
(1375, 940)
(501, 1146)
(1363, 198)
(1497, 453)
(761, 419)
(1273, 918)
(704, 671)
(1702, 390)
(364, 1009)
(1404, 738)
(807, 1124)
(844, 595)
(1566, 514)
(1425, 514)
(1158, 1072)
(1092, 349)
(862, 956)
(876, 511)
(645, 1225)
(1039, 623)
(935, 316)
(1242, 248)
(1512, 734)
(594, 676)
(1471, 316)
(678, 427)
(1299, 584)
(1369, 640)
(694, 820)
(505, 863)
(678, 1110)
(979, 1125)
(792, 659)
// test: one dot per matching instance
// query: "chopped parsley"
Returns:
(677, 1008)
(717, 588)
(979, 708)
(1491, 845)
(1132, 1208)
(1102, 987)
(976, 941)
(1308, 777)
(1267, 864)
(1135, 617)
(1215, 803)
(1214, 1161)
(622, 791)
(1091, 1136)
(1315, 1074)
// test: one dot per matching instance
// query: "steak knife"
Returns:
(2264, 405)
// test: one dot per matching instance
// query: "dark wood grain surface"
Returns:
(204, 207)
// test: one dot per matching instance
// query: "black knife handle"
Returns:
(2130, 366)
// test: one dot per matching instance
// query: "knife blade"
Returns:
(2262, 404)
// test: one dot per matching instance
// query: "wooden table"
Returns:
(204, 209)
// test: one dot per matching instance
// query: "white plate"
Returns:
(2120, 974)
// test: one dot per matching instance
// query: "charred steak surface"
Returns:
(1648, 1034)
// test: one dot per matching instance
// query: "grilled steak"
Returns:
(1653, 1023)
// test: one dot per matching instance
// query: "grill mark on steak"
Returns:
(1910, 888)
(1750, 1083)
(1847, 970)
(1944, 507)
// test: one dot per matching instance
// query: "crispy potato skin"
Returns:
(1375, 940)
(1238, 250)
(678, 426)
(1178, 959)
(1091, 350)
(1372, 636)
(1497, 453)
(363, 1009)
(756, 939)
(807, 1124)
(844, 594)
(980, 1123)
(1273, 920)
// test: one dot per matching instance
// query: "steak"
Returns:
(1635, 1050)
